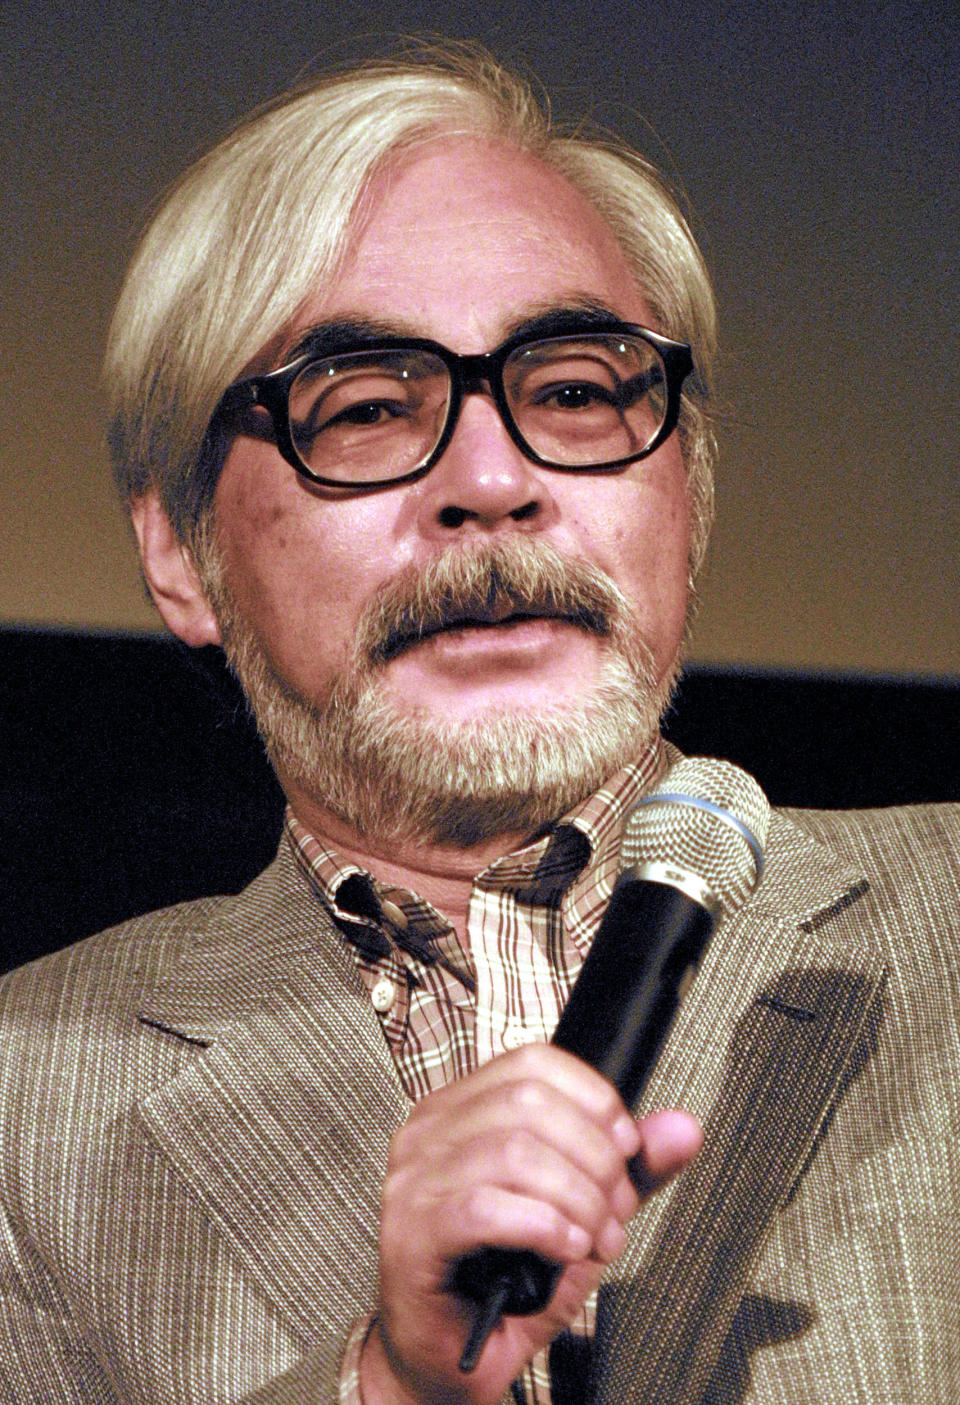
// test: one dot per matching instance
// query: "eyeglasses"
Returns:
(588, 401)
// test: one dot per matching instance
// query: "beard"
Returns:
(398, 772)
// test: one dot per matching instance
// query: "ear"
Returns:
(171, 574)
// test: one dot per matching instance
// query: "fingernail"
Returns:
(578, 1242)
(627, 1136)
(610, 1241)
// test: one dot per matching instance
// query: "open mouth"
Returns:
(410, 633)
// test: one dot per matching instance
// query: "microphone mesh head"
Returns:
(695, 820)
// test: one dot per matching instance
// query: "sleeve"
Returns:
(44, 1356)
(318, 1379)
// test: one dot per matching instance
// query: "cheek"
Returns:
(651, 537)
(262, 553)
(300, 568)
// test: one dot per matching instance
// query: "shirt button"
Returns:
(394, 913)
(383, 995)
(515, 1036)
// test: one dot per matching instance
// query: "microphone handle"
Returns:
(617, 1018)
(622, 1004)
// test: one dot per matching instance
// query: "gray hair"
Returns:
(265, 217)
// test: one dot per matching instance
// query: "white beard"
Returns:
(400, 774)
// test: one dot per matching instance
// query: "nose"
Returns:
(483, 482)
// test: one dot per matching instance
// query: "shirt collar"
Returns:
(574, 862)
(600, 819)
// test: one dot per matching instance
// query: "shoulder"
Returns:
(909, 854)
(895, 876)
(933, 828)
(111, 967)
(124, 960)
(78, 1048)
(89, 996)
(72, 1047)
(905, 906)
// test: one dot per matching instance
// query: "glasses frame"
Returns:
(468, 376)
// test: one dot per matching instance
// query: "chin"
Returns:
(477, 708)
(439, 753)
(428, 773)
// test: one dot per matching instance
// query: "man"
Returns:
(396, 374)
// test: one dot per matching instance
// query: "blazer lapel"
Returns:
(281, 1127)
(777, 1017)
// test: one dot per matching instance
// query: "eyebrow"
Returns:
(343, 334)
(355, 333)
(559, 320)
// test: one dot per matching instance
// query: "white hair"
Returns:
(265, 217)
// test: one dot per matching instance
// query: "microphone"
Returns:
(692, 853)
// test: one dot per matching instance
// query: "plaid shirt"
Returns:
(445, 1010)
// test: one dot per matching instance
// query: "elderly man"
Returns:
(404, 412)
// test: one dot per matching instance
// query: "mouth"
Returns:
(409, 634)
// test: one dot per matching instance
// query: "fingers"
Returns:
(564, 1102)
(547, 1134)
(513, 1112)
(533, 1151)
(511, 1220)
(515, 1191)
(541, 1064)
(671, 1139)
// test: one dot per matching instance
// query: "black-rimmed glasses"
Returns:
(591, 400)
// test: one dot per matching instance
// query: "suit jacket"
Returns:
(196, 1108)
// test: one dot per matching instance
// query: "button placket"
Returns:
(515, 1036)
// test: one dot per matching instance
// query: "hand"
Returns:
(530, 1151)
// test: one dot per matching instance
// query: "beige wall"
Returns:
(821, 162)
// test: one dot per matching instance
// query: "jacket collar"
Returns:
(246, 946)
(292, 1104)
(280, 1126)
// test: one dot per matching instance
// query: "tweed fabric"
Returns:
(196, 1109)
(812, 1252)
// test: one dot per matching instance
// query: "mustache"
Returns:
(487, 585)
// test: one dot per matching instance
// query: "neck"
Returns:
(442, 874)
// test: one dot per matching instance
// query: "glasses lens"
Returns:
(586, 401)
(370, 416)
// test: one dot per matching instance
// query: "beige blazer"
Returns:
(196, 1108)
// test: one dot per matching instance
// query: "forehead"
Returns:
(463, 238)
